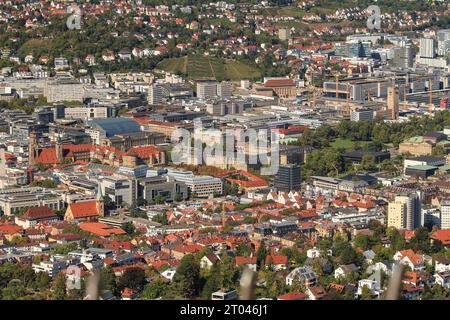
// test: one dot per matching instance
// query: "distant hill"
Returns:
(199, 66)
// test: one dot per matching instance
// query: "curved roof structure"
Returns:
(113, 126)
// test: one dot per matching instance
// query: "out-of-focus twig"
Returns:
(248, 285)
(395, 283)
(92, 287)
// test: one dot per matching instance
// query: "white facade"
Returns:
(427, 48)
(445, 215)
(86, 113)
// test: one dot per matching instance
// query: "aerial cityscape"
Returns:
(228, 150)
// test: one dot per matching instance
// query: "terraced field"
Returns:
(199, 66)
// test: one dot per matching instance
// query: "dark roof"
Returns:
(434, 134)
(426, 158)
(113, 126)
(364, 177)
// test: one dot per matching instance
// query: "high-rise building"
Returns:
(403, 56)
(155, 93)
(392, 101)
(288, 178)
(443, 37)
(404, 212)
(206, 89)
(224, 89)
(427, 48)
(362, 114)
(445, 214)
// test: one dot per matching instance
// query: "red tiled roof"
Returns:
(101, 229)
(293, 296)
(443, 236)
(84, 209)
(10, 229)
(244, 260)
(144, 152)
(48, 155)
(276, 259)
(279, 83)
(413, 257)
(36, 213)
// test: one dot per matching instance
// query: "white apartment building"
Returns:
(202, 186)
(68, 90)
(86, 113)
(96, 135)
(445, 214)
(361, 115)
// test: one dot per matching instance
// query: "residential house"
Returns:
(345, 270)
(316, 293)
(278, 262)
(208, 261)
(410, 259)
(249, 262)
(293, 296)
(442, 264)
(443, 279)
(305, 275)
(35, 215)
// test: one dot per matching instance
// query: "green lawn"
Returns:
(347, 144)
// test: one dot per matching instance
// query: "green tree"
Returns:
(14, 290)
(129, 228)
(154, 290)
(108, 280)
(133, 278)
(42, 280)
(261, 254)
(185, 282)
(366, 294)
(59, 287)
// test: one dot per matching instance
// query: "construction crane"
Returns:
(337, 85)
(348, 100)
(406, 89)
(430, 88)
(223, 215)
(313, 89)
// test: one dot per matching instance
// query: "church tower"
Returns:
(59, 150)
(32, 149)
(100, 202)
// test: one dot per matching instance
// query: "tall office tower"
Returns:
(288, 178)
(224, 89)
(403, 56)
(392, 101)
(156, 93)
(404, 212)
(427, 48)
(445, 214)
(206, 89)
(443, 38)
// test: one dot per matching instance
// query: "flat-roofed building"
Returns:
(361, 114)
(283, 88)
(201, 186)
(64, 90)
(14, 201)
